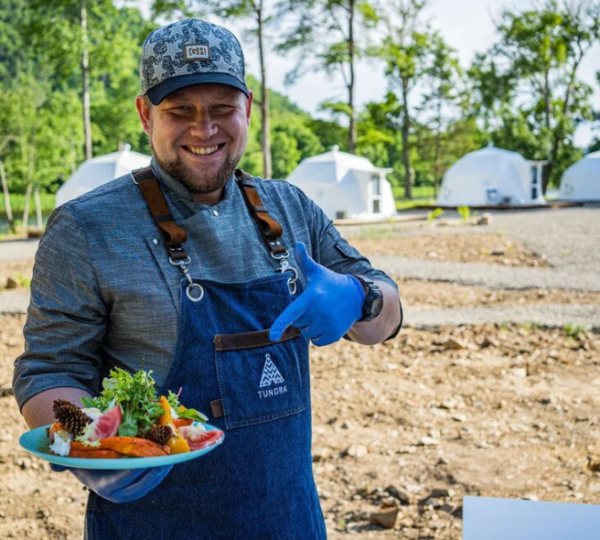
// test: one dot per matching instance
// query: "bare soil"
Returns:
(491, 248)
(449, 295)
(503, 412)
(413, 424)
(19, 271)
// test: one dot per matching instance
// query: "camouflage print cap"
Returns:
(190, 52)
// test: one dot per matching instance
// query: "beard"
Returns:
(198, 182)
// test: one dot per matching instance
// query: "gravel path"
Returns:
(14, 303)
(547, 315)
(569, 237)
(15, 250)
(493, 277)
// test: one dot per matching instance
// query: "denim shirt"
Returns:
(105, 295)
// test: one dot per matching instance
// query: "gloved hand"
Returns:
(328, 307)
(119, 486)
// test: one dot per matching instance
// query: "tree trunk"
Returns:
(264, 100)
(85, 70)
(437, 170)
(547, 100)
(26, 208)
(351, 54)
(408, 173)
(7, 206)
(38, 207)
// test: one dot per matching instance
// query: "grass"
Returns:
(421, 195)
(573, 330)
(17, 203)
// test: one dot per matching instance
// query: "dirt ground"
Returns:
(487, 248)
(413, 424)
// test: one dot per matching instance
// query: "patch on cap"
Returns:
(190, 52)
(196, 51)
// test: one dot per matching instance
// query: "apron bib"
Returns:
(257, 485)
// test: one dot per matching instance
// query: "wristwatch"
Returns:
(373, 302)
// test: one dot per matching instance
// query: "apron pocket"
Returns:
(261, 380)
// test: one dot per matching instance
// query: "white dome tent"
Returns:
(100, 170)
(581, 181)
(345, 186)
(492, 177)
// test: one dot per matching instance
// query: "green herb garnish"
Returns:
(182, 412)
(136, 396)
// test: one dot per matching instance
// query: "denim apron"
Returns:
(257, 485)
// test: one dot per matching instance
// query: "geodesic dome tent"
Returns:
(581, 181)
(492, 176)
(345, 186)
(100, 170)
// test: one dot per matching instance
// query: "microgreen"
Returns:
(136, 396)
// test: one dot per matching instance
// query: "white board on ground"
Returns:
(506, 519)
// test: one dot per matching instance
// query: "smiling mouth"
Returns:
(200, 151)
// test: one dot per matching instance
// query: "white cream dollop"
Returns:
(62, 443)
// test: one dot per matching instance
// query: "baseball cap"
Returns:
(190, 52)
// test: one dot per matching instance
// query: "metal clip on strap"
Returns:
(173, 234)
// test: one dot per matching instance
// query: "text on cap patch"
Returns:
(196, 51)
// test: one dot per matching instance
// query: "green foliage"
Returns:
(464, 212)
(524, 94)
(527, 92)
(574, 330)
(434, 214)
(182, 412)
(136, 395)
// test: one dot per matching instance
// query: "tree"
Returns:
(536, 64)
(405, 51)
(262, 13)
(325, 33)
(79, 41)
(444, 100)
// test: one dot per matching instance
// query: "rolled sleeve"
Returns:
(66, 319)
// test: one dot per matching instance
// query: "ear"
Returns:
(249, 106)
(143, 109)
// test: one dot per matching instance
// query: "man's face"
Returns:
(199, 133)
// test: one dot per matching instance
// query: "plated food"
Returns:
(128, 420)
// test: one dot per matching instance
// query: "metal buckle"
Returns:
(194, 286)
(182, 262)
(280, 256)
(292, 281)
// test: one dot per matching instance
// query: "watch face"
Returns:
(376, 306)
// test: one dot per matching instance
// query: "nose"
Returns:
(203, 125)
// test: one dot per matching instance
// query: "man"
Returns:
(184, 269)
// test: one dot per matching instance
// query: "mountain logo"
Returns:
(270, 373)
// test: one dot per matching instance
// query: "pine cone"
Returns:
(159, 434)
(70, 416)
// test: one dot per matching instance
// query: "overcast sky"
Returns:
(466, 25)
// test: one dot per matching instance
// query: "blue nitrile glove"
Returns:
(119, 486)
(328, 307)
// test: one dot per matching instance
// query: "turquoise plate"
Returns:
(36, 442)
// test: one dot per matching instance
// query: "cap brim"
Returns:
(159, 92)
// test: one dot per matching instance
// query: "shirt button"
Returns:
(215, 213)
(155, 241)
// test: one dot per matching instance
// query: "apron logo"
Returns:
(270, 373)
(270, 376)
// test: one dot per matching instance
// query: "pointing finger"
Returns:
(289, 315)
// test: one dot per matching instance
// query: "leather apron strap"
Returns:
(270, 229)
(174, 235)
